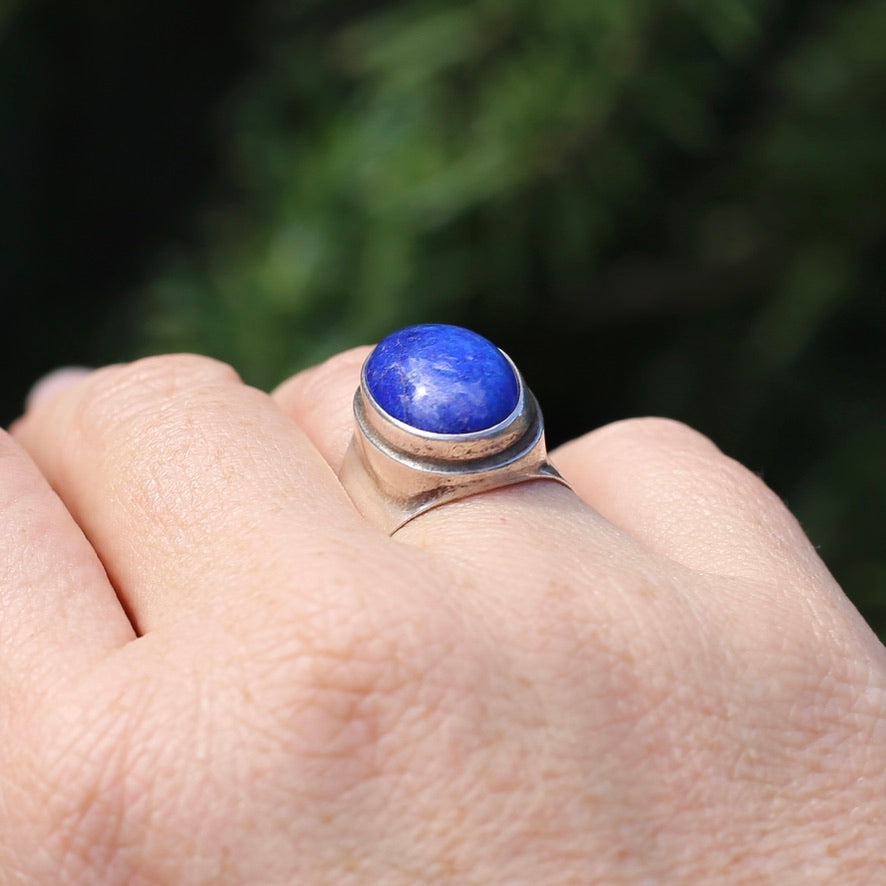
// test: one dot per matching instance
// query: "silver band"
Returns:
(393, 472)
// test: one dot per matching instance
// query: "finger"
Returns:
(673, 489)
(320, 400)
(179, 473)
(58, 611)
(520, 523)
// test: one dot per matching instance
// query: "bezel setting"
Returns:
(393, 472)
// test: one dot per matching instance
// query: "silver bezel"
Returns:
(394, 472)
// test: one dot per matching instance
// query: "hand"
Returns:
(213, 670)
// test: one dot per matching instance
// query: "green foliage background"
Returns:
(655, 207)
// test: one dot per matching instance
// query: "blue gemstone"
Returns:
(442, 378)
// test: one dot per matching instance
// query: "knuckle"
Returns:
(122, 389)
(312, 385)
(172, 368)
(118, 396)
(146, 418)
(346, 363)
(657, 429)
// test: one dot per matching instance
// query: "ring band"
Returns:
(440, 414)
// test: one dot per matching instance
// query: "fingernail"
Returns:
(53, 382)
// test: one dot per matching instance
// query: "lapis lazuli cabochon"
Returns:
(442, 378)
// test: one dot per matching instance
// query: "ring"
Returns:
(441, 413)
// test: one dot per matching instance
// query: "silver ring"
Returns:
(445, 383)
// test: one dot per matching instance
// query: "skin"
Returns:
(213, 670)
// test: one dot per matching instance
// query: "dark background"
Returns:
(655, 208)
